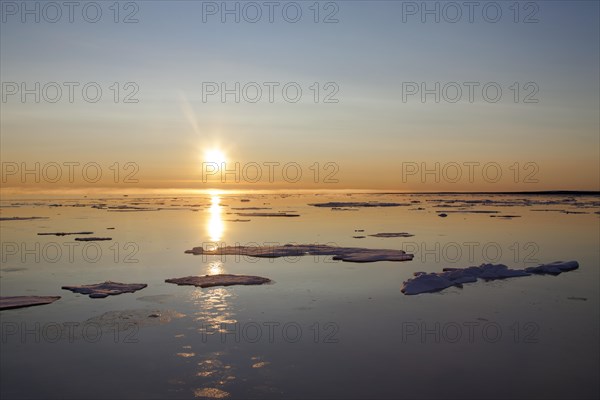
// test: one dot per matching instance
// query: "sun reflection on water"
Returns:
(214, 268)
(214, 375)
(215, 316)
(215, 312)
(215, 222)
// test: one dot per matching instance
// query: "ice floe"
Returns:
(20, 218)
(554, 268)
(339, 204)
(105, 289)
(219, 280)
(64, 233)
(350, 254)
(392, 234)
(8, 302)
(433, 282)
(265, 214)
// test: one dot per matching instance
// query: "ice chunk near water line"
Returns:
(554, 268)
(9, 302)
(20, 218)
(64, 233)
(392, 234)
(219, 280)
(105, 289)
(350, 254)
(341, 204)
(265, 214)
(436, 281)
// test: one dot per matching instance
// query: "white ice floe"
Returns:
(436, 281)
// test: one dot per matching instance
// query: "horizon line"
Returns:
(234, 192)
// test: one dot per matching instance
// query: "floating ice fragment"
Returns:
(20, 218)
(108, 288)
(64, 233)
(219, 280)
(265, 214)
(436, 281)
(351, 254)
(338, 204)
(392, 234)
(8, 302)
(554, 268)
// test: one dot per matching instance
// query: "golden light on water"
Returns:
(215, 268)
(215, 221)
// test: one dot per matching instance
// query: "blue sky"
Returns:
(368, 54)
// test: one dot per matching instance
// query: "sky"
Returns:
(167, 116)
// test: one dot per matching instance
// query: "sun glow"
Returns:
(214, 156)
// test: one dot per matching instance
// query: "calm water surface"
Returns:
(324, 328)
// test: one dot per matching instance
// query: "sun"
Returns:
(214, 156)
